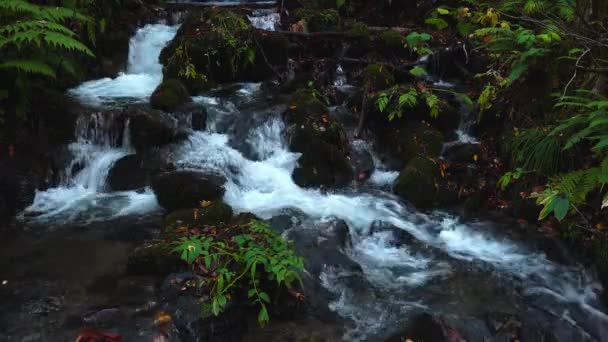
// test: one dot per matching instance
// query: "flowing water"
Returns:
(447, 266)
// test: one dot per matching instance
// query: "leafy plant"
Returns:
(509, 177)
(241, 264)
(417, 42)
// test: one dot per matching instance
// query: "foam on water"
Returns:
(265, 187)
(143, 74)
(268, 20)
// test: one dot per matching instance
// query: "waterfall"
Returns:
(143, 74)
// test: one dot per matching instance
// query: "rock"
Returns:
(149, 130)
(362, 161)
(319, 20)
(378, 77)
(170, 95)
(322, 164)
(414, 139)
(399, 237)
(153, 258)
(417, 183)
(135, 171)
(214, 214)
(199, 119)
(427, 327)
(215, 46)
(462, 153)
(104, 317)
(186, 189)
(392, 43)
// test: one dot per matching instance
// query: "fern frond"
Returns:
(30, 67)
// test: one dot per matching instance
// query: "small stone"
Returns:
(4, 282)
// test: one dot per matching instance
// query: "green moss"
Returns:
(417, 182)
(324, 165)
(378, 77)
(358, 29)
(311, 120)
(417, 139)
(392, 40)
(319, 20)
(170, 95)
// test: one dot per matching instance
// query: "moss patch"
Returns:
(378, 77)
(417, 182)
(170, 95)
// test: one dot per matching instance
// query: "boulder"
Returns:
(426, 327)
(319, 20)
(464, 153)
(198, 119)
(215, 46)
(149, 130)
(135, 171)
(322, 165)
(214, 214)
(170, 95)
(410, 140)
(378, 77)
(187, 189)
(417, 182)
(153, 258)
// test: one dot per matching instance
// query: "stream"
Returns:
(67, 262)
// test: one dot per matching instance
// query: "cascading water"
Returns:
(395, 273)
(143, 74)
(263, 19)
(441, 258)
(82, 196)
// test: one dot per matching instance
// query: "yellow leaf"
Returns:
(505, 25)
(205, 204)
(292, 107)
(475, 157)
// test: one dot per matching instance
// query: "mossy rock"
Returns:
(218, 46)
(322, 165)
(170, 95)
(312, 120)
(378, 77)
(600, 256)
(186, 189)
(417, 182)
(415, 139)
(176, 224)
(319, 19)
(153, 258)
(392, 42)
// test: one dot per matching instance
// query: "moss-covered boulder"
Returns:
(177, 223)
(417, 183)
(153, 258)
(378, 77)
(323, 165)
(170, 95)
(149, 129)
(391, 43)
(410, 140)
(217, 46)
(319, 19)
(187, 189)
(310, 119)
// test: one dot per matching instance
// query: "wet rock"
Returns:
(417, 183)
(322, 250)
(318, 20)
(104, 317)
(170, 95)
(378, 77)
(186, 189)
(136, 171)
(362, 161)
(309, 118)
(153, 258)
(199, 119)
(213, 214)
(149, 130)
(229, 326)
(462, 153)
(427, 327)
(399, 237)
(322, 165)
(216, 46)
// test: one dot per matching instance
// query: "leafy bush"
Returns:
(240, 262)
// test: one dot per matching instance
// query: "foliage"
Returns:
(242, 263)
(509, 177)
(35, 41)
(418, 43)
(534, 149)
(406, 98)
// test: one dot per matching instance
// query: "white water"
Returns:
(262, 19)
(143, 74)
(265, 187)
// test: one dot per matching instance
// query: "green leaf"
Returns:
(264, 297)
(561, 208)
(418, 71)
(442, 11)
(263, 318)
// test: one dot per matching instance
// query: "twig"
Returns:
(575, 70)
(362, 115)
